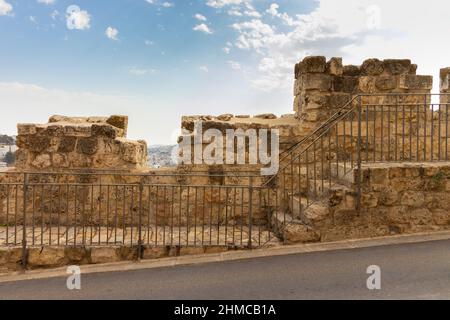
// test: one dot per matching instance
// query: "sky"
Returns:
(156, 60)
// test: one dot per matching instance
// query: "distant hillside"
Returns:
(161, 156)
(8, 140)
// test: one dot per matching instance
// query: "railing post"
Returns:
(250, 212)
(141, 190)
(358, 157)
(24, 222)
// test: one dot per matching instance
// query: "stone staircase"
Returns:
(307, 214)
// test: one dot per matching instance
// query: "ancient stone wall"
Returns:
(322, 87)
(74, 143)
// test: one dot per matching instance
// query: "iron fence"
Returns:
(368, 129)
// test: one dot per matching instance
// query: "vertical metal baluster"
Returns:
(292, 183)
(403, 133)
(149, 188)
(389, 132)
(42, 214)
(367, 133)
(382, 134)
(439, 132)
(187, 213)
(218, 216)
(203, 215)
(358, 148)
(410, 132)
(446, 132)
(156, 219)
(344, 149)
(374, 134)
(432, 134)
(425, 130)
(226, 216)
(315, 169)
(16, 212)
(116, 214)
(67, 213)
(75, 215)
(211, 215)
(33, 215)
(108, 209)
(418, 134)
(396, 128)
(124, 213)
(7, 214)
(242, 216)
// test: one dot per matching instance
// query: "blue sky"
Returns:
(156, 60)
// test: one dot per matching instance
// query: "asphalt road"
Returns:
(408, 271)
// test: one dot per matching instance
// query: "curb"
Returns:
(231, 256)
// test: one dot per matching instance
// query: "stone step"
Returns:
(308, 211)
(344, 174)
(292, 231)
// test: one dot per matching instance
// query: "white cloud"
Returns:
(32, 19)
(234, 65)
(204, 69)
(5, 8)
(47, 2)
(77, 19)
(54, 14)
(222, 3)
(148, 42)
(227, 50)
(235, 12)
(141, 72)
(200, 17)
(354, 29)
(112, 33)
(202, 28)
(165, 4)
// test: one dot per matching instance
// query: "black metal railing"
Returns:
(369, 128)
(217, 209)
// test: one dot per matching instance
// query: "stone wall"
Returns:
(73, 143)
(322, 87)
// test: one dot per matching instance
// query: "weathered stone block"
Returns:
(87, 146)
(155, 252)
(298, 233)
(372, 67)
(386, 83)
(120, 122)
(345, 84)
(104, 130)
(266, 116)
(351, 70)
(397, 66)
(335, 67)
(412, 199)
(67, 144)
(26, 129)
(313, 64)
(46, 257)
(42, 161)
(414, 82)
(320, 82)
(104, 255)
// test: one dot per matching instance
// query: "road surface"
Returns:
(408, 271)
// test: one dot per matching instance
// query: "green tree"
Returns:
(10, 158)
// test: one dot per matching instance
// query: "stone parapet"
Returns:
(79, 142)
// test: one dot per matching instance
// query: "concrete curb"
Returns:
(230, 256)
